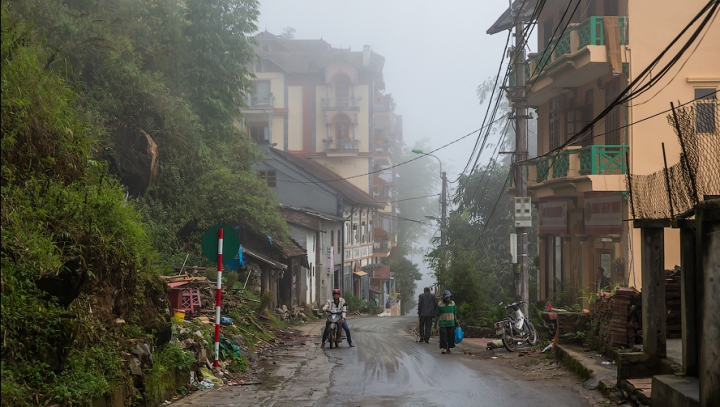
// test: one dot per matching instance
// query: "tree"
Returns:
(288, 33)
(176, 71)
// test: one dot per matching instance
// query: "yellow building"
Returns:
(328, 105)
(584, 62)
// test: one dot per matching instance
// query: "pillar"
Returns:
(653, 292)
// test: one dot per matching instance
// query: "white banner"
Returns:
(330, 259)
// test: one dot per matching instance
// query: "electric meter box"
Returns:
(523, 212)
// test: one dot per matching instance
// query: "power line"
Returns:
(487, 221)
(682, 66)
(392, 166)
(626, 95)
(526, 37)
(497, 77)
(620, 128)
(556, 41)
(419, 197)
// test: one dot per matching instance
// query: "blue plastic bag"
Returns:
(459, 334)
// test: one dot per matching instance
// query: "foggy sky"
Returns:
(436, 54)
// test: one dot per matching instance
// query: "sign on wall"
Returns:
(552, 216)
(330, 259)
(603, 213)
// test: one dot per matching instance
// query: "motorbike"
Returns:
(516, 328)
(334, 315)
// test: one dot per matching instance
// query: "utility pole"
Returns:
(443, 215)
(521, 154)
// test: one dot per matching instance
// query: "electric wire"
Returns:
(392, 166)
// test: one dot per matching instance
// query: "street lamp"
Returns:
(443, 201)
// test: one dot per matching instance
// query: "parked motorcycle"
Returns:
(334, 315)
(516, 328)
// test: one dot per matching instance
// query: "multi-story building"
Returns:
(328, 105)
(584, 62)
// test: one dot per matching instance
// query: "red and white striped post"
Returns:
(219, 295)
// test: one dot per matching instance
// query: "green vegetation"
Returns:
(475, 266)
(118, 151)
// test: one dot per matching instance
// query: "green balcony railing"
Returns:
(603, 159)
(589, 32)
(563, 45)
(561, 164)
(543, 168)
(592, 31)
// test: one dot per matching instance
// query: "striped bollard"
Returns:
(219, 295)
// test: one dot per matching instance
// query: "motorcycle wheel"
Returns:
(332, 335)
(508, 341)
(532, 334)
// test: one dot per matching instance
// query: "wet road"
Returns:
(388, 368)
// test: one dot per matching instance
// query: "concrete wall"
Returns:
(295, 118)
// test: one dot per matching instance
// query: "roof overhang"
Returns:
(508, 19)
(264, 259)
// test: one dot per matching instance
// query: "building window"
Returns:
(261, 88)
(269, 177)
(342, 127)
(705, 110)
(338, 245)
(259, 133)
(355, 234)
(554, 131)
(364, 230)
(346, 237)
(258, 66)
(332, 237)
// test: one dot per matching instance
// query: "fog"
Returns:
(436, 54)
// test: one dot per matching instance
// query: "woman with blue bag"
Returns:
(447, 320)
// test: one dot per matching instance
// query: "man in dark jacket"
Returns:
(426, 311)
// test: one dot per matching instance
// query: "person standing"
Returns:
(603, 283)
(426, 311)
(447, 320)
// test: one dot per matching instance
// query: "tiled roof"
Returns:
(349, 191)
(311, 55)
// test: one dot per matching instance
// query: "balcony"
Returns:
(332, 144)
(259, 102)
(579, 56)
(349, 103)
(576, 163)
(381, 245)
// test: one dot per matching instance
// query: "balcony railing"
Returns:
(341, 144)
(575, 161)
(575, 38)
(381, 245)
(341, 103)
(601, 160)
(259, 102)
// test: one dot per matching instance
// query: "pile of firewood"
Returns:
(618, 317)
(672, 303)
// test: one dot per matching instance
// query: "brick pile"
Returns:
(618, 317)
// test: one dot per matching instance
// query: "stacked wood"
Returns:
(617, 317)
(672, 303)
